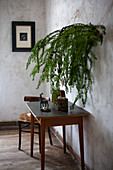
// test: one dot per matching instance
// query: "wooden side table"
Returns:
(56, 118)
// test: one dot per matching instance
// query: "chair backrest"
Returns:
(35, 98)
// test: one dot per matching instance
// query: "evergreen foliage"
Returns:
(67, 58)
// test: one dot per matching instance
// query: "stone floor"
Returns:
(13, 159)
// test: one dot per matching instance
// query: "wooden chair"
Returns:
(25, 121)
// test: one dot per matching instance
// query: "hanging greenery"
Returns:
(67, 57)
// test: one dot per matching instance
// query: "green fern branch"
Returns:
(67, 57)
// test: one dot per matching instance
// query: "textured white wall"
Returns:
(98, 127)
(15, 81)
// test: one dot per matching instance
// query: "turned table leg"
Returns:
(64, 139)
(80, 125)
(42, 144)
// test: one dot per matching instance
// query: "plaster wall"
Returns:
(15, 81)
(98, 127)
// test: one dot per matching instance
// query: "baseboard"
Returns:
(69, 148)
(9, 125)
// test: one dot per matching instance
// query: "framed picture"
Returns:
(23, 36)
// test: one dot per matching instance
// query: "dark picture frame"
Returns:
(23, 36)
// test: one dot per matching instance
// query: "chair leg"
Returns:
(49, 133)
(19, 147)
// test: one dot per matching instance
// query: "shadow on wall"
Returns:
(72, 138)
(104, 55)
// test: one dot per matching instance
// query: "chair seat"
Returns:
(26, 117)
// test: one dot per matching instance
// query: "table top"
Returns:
(34, 108)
